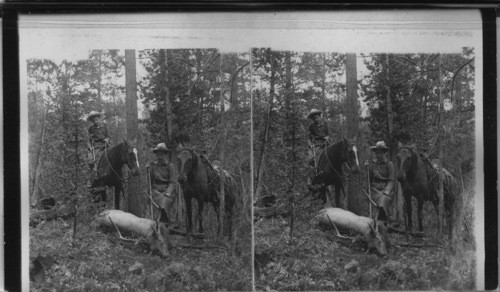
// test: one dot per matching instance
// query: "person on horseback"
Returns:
(162, 178)
(317, 140)
(318, 136)
(382, 179)
(98, 138)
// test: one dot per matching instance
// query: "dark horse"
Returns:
(202, 182)
(420, 180)
(330, 166)
(109, 173)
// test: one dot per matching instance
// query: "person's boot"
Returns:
(164, 217)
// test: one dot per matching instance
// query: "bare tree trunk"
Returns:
(179, 206)
(390, 114)
(323, 76)
(352, 200)
(260, 167)
(134, 186)
(440, 147)
(168, 103)
(395, 206)
(35, 191)
(222, 205)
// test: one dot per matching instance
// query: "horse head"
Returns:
(350, 155)
(404, 161)
(185, 163)
(131, 157)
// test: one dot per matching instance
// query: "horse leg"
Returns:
(323, 194)
(189, 223)
(420, 205)
(448, 208)
(200, 216)
(216, 206)
(229, 215)
(436, 208)
(338, 193)
(408, 208)
(118, 192)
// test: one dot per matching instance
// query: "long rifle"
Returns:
(367, 164)
(150, 190)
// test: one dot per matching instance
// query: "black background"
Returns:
(11, 113)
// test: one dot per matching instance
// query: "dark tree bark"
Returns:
(396, 205)
(353, 199)
(35, 191)
(440, 147)
(222, 208)
(166, 94)
(177, 215)
(134, 185)
(291, 118)
(260, 166)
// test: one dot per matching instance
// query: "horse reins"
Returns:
(194, 154)
(329, 161)
(111, 166)
(436, 173)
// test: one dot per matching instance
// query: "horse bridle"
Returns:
(343, 163)
(111, 166)
(193, 154)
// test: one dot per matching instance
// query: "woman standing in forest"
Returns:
(382, 180)
(98, 138)
(161, 176)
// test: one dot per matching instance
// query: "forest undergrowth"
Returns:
(314, 260)
(99, 261)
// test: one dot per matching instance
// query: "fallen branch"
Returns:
(419, 245)
(183, 233)
(65, 212)
(201, 246)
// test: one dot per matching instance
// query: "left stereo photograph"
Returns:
(136, 152)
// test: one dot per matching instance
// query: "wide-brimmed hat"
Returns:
(380, 146)
(161, 148)
(93, 114)
(314, 112)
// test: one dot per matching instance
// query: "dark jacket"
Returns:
(97, 134)
(161, 175)
(317, 133)
(382, 175)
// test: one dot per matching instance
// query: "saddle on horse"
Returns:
(94, 154)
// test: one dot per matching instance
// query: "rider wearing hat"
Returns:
(382, 179)
(98, 138)
(162, 178)
(318, 135)
(317, 139)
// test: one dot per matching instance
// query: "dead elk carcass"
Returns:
(373, 233)
(155, 235)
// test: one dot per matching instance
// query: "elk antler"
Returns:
(338, 234)
(119, 233)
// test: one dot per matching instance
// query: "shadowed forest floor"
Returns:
(100, 261)
(315, 260)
